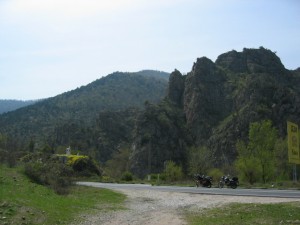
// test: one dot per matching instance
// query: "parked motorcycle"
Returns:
(204, 181)
(229, 182)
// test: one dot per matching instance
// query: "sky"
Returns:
(48, 47)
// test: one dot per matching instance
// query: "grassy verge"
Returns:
(23, 202)
(236, 214)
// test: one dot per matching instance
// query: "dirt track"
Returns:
(155, 207)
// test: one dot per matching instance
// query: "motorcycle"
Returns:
(229, 182)
(204, 181)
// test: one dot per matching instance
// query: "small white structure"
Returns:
(68, 151)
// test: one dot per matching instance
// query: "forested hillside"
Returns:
(71, 118)
(11, 105)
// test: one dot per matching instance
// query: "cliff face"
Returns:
(251, 61)
(205, 98)
(176, 88)
(219, 100)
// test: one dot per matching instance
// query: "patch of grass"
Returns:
(24, 202)
(236, 214)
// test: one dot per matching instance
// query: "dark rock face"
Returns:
(233, 61)
(219, 101)
(176, 88)
(205, 101)
(251, 61)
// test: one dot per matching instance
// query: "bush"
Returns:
(162, 177)
(86, 166)
(36, 172)
(56, 171)
(173, 172)
(215, 173)
(127, 176)
(50, 173)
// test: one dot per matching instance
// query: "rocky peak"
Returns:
(233, 61)
(176, 87)
(251, 61)
(204, 69)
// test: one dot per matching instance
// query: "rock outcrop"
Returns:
(218, 102)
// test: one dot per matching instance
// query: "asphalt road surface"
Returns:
(201, 190)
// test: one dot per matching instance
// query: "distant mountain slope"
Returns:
(7, 105)
(117, 91)
(157, 74)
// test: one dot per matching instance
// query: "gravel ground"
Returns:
(151, 207)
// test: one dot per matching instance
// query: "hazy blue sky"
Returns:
(48, 47)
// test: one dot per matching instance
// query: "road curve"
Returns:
(193, 190)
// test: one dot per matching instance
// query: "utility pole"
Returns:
(149, 160)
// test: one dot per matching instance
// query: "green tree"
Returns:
(172, 171)
(246, 164)
(282, 165)
(262, 139)
(3, 141)
(258, 158)
(119, 164)
(200, 160)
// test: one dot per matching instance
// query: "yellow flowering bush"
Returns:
(72, 159)
(81, 164)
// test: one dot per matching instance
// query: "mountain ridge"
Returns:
(7, 105)
(210, 107)
(116, 91)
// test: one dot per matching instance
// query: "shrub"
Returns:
(163, 177)
(59, 178)
(51, 173)
(86, 166)
(127, 176)
(172, 171)
(56, 171)
(215, 173)
(36, 172)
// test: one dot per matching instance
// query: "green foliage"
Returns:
(57, 171)
(112, 131)
(127, 176)
(11, 105)
(86, 166)
(262, 138)
(160, 134)
(257, 159)
(247, 165)
(215, 173)
(3, 140)
(173, 172)
(237, 213)
(24, 202)
(200, 160)
(50, 173)
(75, 118)
(119, 163)
(282, 167)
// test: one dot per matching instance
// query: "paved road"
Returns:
(201, 190)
